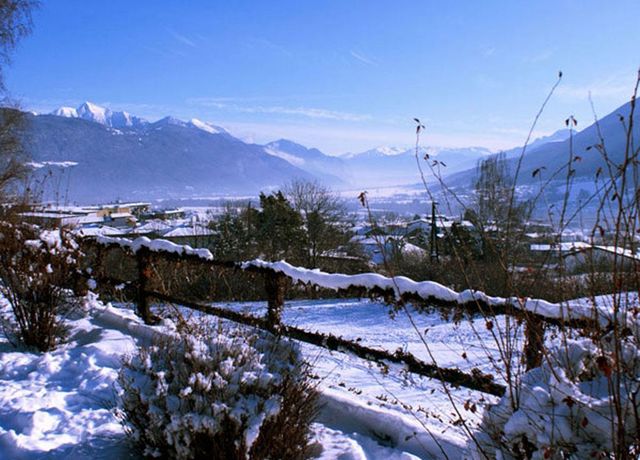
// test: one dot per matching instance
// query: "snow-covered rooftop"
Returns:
(188, 231)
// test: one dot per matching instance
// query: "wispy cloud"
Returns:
(614, 87)
(538, 57)
(337, 139)
(167, 53)
(332, 139)
(181, 38)
(307, 112)
(362, 58)
(488, 51)
(263, 43)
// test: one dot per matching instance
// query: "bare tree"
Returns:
(12, 153)
(15, 23)
(322, 212)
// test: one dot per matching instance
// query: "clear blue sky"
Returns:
(339, 75)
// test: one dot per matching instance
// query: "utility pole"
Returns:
(433, 242)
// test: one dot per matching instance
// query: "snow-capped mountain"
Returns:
(68, 112)
(546, 158)
(208, 127)
(553, 155)
(117, 155)
(383, 150)
(559, 136)
(384, 166)
(329, 169)
(92, 112)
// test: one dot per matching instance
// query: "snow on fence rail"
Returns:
(400, 289)
(431, 292)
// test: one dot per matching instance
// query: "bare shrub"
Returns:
(566, 408)
(36, 270)
(582, 402)
(228, 394)
(578, 396)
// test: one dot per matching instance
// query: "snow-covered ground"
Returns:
(58, 405)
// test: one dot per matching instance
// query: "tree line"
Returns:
(304, 223)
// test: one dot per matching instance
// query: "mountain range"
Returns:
(547, 159)
(386, 166)
(112, 155)
(101, 115)
(91, 153)
(96, 154)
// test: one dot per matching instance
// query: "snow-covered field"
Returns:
(57, 405)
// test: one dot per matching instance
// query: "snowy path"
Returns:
(56, 405)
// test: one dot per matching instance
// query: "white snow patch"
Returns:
(390, 151)
(67, 112)
(60, 164)
(156, 246)
(294, 160)
(58, 401)
(208, 127)
(92, 112)
(431, 290)
(400, 285)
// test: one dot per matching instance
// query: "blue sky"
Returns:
(339, 75)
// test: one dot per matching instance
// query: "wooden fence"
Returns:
(276, 277)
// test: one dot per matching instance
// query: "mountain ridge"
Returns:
(550, 158)
(172, 156)
(147, 161)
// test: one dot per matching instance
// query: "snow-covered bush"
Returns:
(232, 394)
(576, 405)
(36, 269)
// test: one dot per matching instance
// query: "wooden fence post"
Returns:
(534, 342)
(144, 273)
(275, 285)
(97, 269)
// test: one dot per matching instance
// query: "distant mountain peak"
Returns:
(105, 116)
(329, 168)
(121, 119)
(102, 115)
(67, 112)
(206, 126)
(93, 112)
(390, 151)
(276, 152)
(381, 151)
(169, 158)
(287, 143)
(169, 120)
(297, 150)
(558, 136)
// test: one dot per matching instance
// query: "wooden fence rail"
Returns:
(276, 276)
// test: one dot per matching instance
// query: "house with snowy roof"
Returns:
(379, 248)
(196, 236)
(133, 208)
(579, 255)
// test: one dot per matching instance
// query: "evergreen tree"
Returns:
(279, 231)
